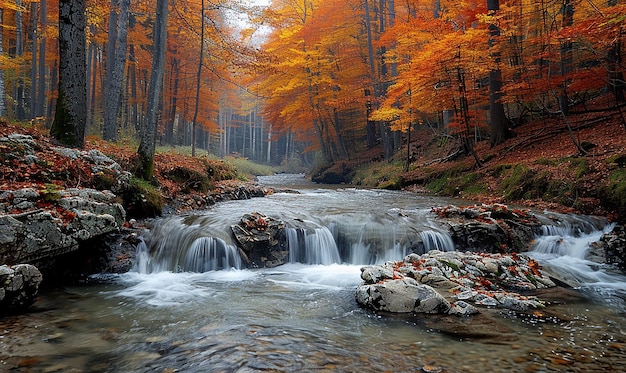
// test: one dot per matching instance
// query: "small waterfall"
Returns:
(433, 240)
(562, 251)
(174, 246)
(566, 241)
(312, 246)
(210, 254)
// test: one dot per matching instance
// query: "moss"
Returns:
(142, 199)
(189, 179)
(580, 166)
(104, 180)
(453, 266)
(456, 181)
(618, 160)
(518, 183)
(614, 193)
(50, 193)
(547, 162)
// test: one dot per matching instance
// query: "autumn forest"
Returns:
(317, 79)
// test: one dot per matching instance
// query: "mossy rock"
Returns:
(142, 200)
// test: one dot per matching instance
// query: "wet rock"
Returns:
(19, 286)
(39, 225)
(401, 296)
(262, 240)
(611, 249)
(476, 279)
(490, 228)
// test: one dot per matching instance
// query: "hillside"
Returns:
(30, 158)
(540, 167)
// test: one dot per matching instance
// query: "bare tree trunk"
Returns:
(2, 105)
(94, 81)
(71, 114)
(198, 81)
(41, 90)
(132, 76)
(371, 126)
(20, 111)
(34, 22)
(116, 75)
(169, 125)
(147, 146)
(499, 122)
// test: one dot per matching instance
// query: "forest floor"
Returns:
(541, 167)
(180, 182)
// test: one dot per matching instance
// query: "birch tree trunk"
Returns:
(71, 109)
(148, 134)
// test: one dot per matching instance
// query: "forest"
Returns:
(310, 82)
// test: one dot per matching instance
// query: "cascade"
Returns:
(312, 246)
(562, 251)
(433, 240)
(200, 255)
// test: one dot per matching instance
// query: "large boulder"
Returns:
(490, 228)
(401, 296)
(36, 225)
(19, 286)
(611, 249)
(462, 280)
(262, 240)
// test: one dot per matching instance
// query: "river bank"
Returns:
(540, 167)
(303, 316)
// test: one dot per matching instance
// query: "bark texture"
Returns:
(71, 109)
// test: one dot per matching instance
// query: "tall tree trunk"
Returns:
(69, 121)
(52, 101)
(147, 146)
(132, 76)
(198, 81)
(616, 76)
(41, 90)
(113, 98)
(171, 118)
(34, 22)
(2, 105)
(371, 125)
(20, 111)
(499, 122)
(93, 84)
(566, 56)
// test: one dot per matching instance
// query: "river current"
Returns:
(176, 313)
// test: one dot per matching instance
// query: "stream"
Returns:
(190, 306)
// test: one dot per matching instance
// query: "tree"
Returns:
(499, 122)
(147, 146)
(198, 81)
(70, 118)
(113, 91)
(41, 89)
(2, 106)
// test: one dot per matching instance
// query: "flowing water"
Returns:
(189, 306)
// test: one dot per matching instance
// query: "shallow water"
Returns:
(302, 317)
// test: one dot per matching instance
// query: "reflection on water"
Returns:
(299, 317)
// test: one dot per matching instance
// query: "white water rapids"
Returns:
(190, 306)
